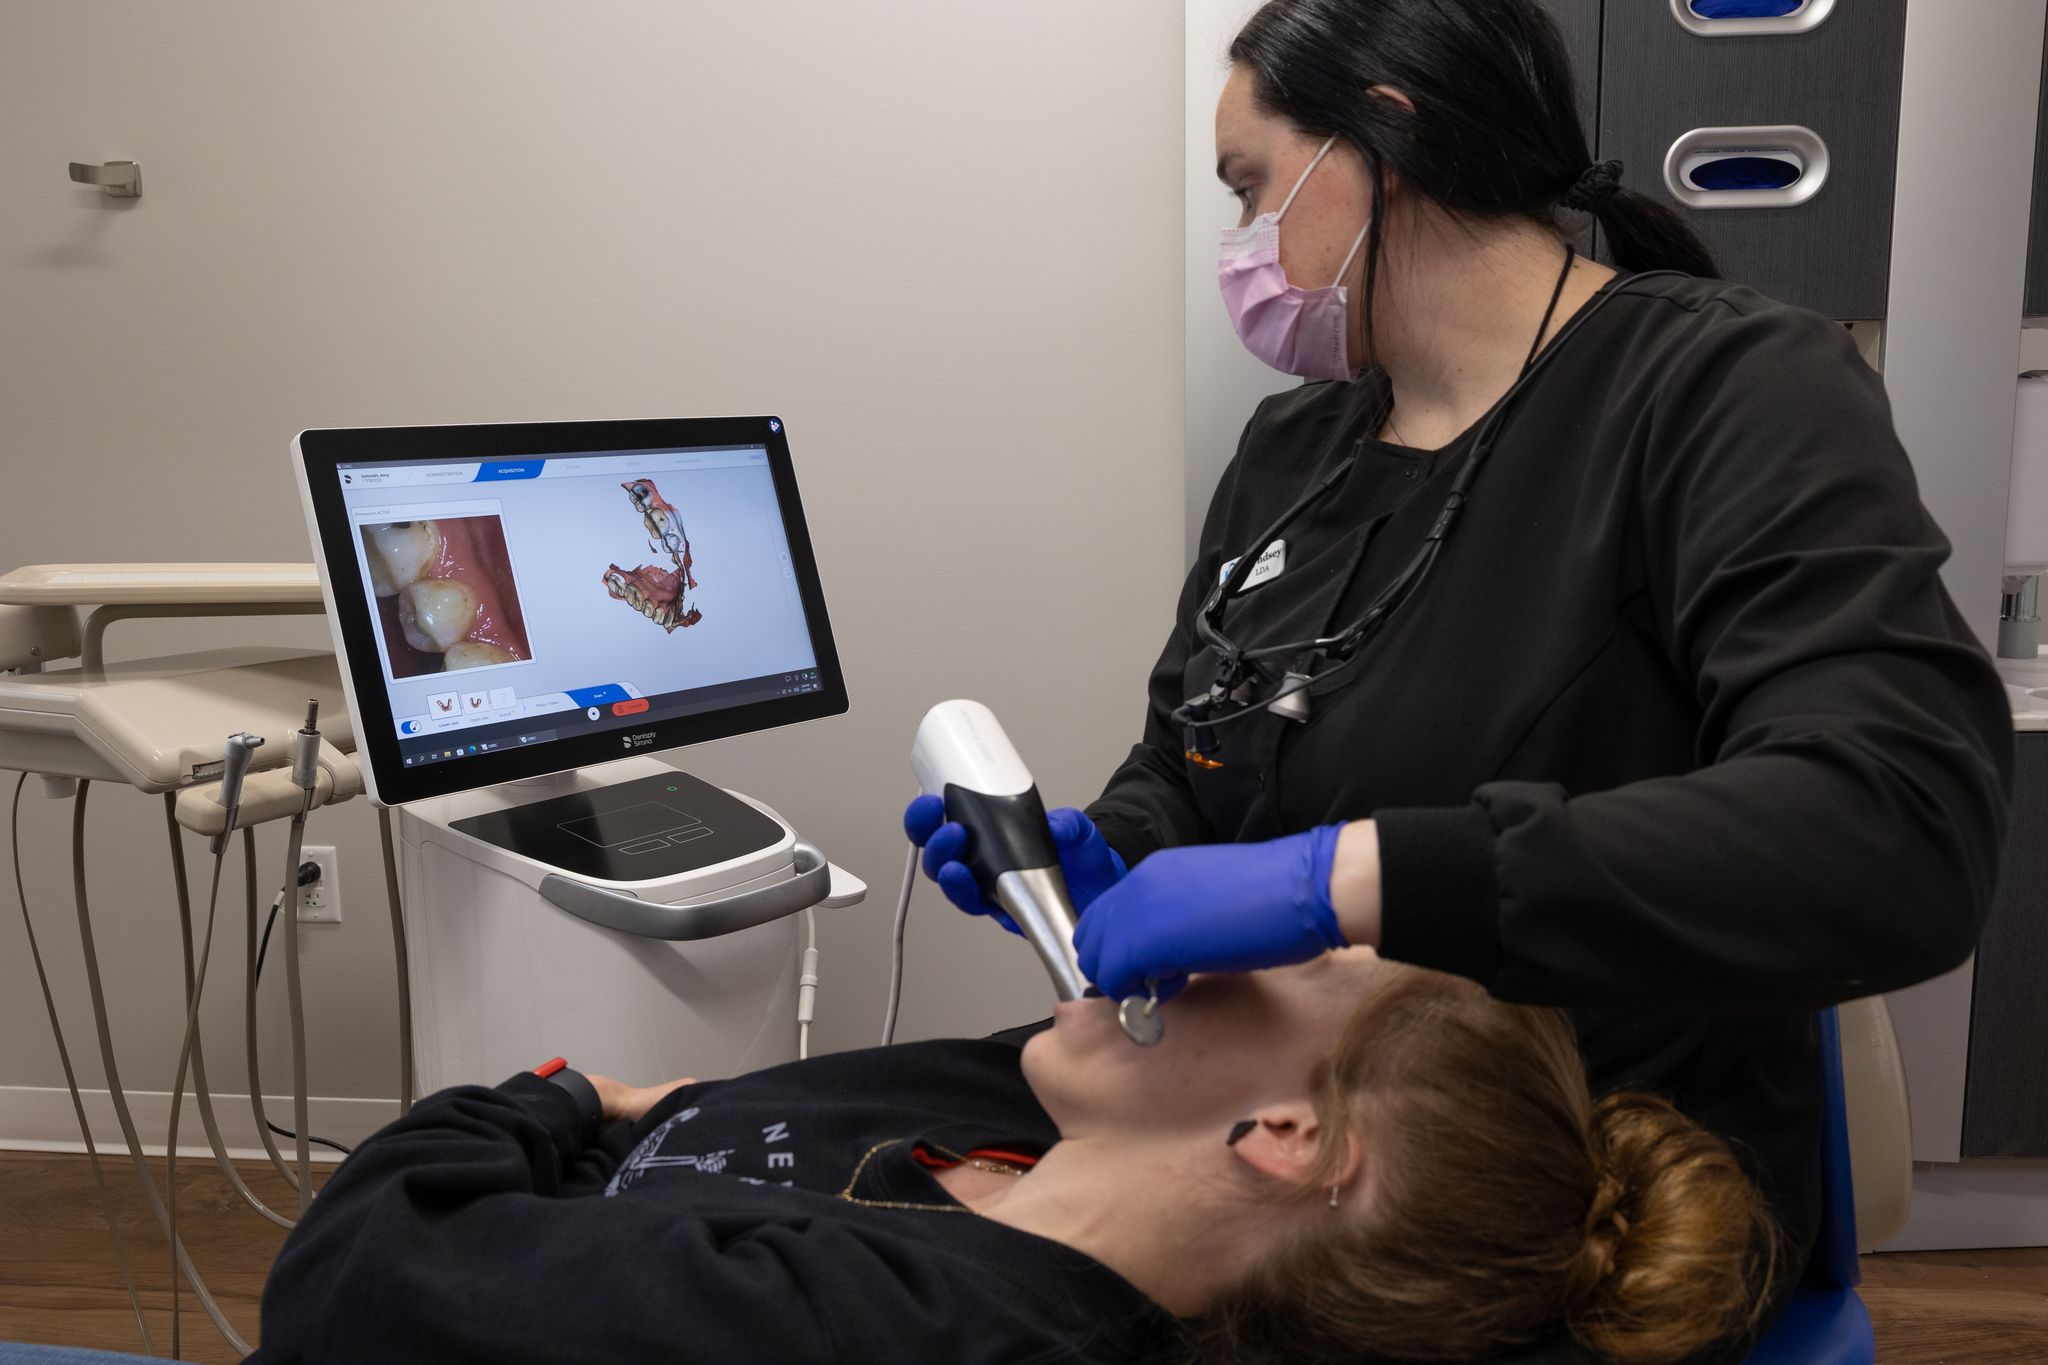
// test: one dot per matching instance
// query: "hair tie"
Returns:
(1594, 187)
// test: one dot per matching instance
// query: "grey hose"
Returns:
(249, 1018)
(92, 1154)
(195, 987)
(196, 1037)
(398, 946)
(296, 1004)
(115, 1092)
(896, 946)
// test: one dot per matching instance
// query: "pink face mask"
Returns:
(1296, 331)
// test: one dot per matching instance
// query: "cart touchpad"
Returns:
(635, 831)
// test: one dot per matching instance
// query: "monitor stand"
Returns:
(642, 829)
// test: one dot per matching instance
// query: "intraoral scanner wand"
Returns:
(962, 755)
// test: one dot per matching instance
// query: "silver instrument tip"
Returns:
(1141, 1021)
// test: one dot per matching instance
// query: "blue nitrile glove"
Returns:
(1088, 863)
(1212, 908)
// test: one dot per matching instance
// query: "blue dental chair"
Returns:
(1826, 1323)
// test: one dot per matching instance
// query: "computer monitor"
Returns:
(514, 600)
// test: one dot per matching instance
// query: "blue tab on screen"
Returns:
(598, 696)
(493, 470)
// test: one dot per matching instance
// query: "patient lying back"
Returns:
(1340, 1161)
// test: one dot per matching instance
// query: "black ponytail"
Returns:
(1495, 131)
(1643, 234)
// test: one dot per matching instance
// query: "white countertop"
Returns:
(2026, 687)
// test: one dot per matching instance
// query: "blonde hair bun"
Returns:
(1678, 1240)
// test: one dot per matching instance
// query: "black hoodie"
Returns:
(781, 1216)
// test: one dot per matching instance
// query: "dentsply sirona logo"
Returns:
(639, 741)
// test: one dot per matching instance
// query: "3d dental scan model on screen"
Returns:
(661, 595)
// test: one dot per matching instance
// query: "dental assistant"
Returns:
(1585, 637)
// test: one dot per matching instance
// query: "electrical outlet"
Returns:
(320, 903)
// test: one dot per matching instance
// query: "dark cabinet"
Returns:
(1579, 21)
(2005, 1095)
(1804, 146)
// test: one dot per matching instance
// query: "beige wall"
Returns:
(1224, 382)
(941, 239)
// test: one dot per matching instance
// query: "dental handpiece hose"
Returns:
(305, 774)
(962, 755)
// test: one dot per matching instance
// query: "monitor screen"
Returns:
(520, 599)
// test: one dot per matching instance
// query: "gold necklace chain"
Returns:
(847, 1194)
(854, 1179)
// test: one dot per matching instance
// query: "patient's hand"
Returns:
(630, 1102)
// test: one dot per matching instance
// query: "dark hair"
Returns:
(1495, 131)
(1500, 1202)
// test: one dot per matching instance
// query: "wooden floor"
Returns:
(59, 1282)
(1958, 1307)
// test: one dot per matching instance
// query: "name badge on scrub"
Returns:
(1268, 566)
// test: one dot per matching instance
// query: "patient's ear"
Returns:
(1286, 1142)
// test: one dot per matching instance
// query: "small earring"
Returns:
(1238, 1130)
(1333, 1194)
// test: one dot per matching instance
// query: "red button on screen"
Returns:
(629, 708)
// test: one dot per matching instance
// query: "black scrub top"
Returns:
(1682, 734)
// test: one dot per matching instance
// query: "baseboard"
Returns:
(41, 1119)
(1976, 1205)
